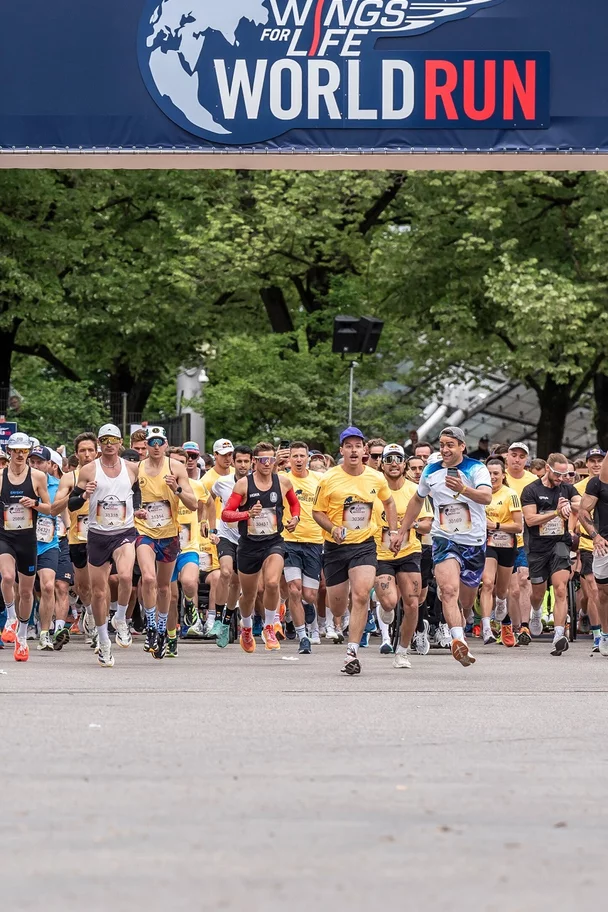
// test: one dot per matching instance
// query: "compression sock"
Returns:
(162, 622)
(151, 618)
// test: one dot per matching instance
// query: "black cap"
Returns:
(131, 455)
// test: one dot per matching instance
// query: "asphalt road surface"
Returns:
(231, 782)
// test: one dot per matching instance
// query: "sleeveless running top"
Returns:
(269, 523)
(17, 521)
(79, 521)
(160, 502)
(111, 503)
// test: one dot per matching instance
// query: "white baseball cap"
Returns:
(56, 458)
(156, 431)
(520, 446)
(393, 449)
(223, 447)
(109, 430)
(19, 441)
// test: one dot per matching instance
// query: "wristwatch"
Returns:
(212, 531)
(178, 489)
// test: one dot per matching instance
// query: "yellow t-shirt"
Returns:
(585, 543)
(189, 527)
(505, 502)
(348, 501)
(208, 560)
(307, 531)
(160, 502)
(402, 498)
(518, 484)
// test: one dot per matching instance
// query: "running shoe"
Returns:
(489, 639)
(217, 628)
(269, 636)
(536, 623)
(22, 651)
(401, 660)
(331, 634)
(197, 629)
(282, 612)
(387, 617)
(507, 636)
(584, 624)
(370, 626)
(500, 612)
(88, 624)
(45, 644)
(468, 630)
(305, 646)
(322, 629)
(315, 637)
(9, 634)
(560, 645)
(247, 639)
(123, 634)
(171, 647)
(364, 641)
(422, 644)
(443, 637)
(75, 628)
(461, 653)
(61, 638)
(604, 644)
(524, 638)
(290, 630)
(477, 631)
(223, 637)
(351, 666)
(104, 656)
(190, 613)
(258, 625)
(278, 632)
(386, 649)
(309, 613)
(159, 650)
(150, 639)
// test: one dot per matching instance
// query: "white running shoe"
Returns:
(45, 644)
(422, 644)
(88, 624)
(331, 634)
(536, 623)
(401, 660)
(387, 617)
(209, 625)
(123, 634)
(104, 655)
(443, 637)
(315, 639)
(488, 638)
(461, 653)
(500, 611)
(604, 644)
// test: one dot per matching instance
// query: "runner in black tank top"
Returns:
(256, 504)
(21, 498)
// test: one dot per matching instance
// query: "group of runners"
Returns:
(287, 543)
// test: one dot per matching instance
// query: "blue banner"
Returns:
(304, 75)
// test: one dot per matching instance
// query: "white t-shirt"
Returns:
(222, 489)
(456, 518)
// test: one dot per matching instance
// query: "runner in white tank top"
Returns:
(111, 503)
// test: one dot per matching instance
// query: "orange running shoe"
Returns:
(507, 635)
(22, 651)
(9, 634)
(269, 637)
(278, 631)
(75, 629)
(461, 653)
(246, 640)
(282, 612)
(477, 631)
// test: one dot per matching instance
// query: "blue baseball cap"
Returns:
(41, 452)
(351, 432)
(595, 451)
(191, 446)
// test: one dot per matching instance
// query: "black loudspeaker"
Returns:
(347, 336)
(371, 332)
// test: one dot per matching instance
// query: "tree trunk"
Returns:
(554, 401)
(277, 309)
(600, 391)
(7, 347)
(137, 389)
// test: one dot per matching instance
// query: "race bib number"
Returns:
(554, 527)
(265, 523)
(159, 513)
(501, 540)
(357, 516)
(45, 530)
(111, 513)
(61, 529)
(455, 517)
(17, 517)
(204, 561)
(82, 527)
(185, 535)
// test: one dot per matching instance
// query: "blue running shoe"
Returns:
(258, 626)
